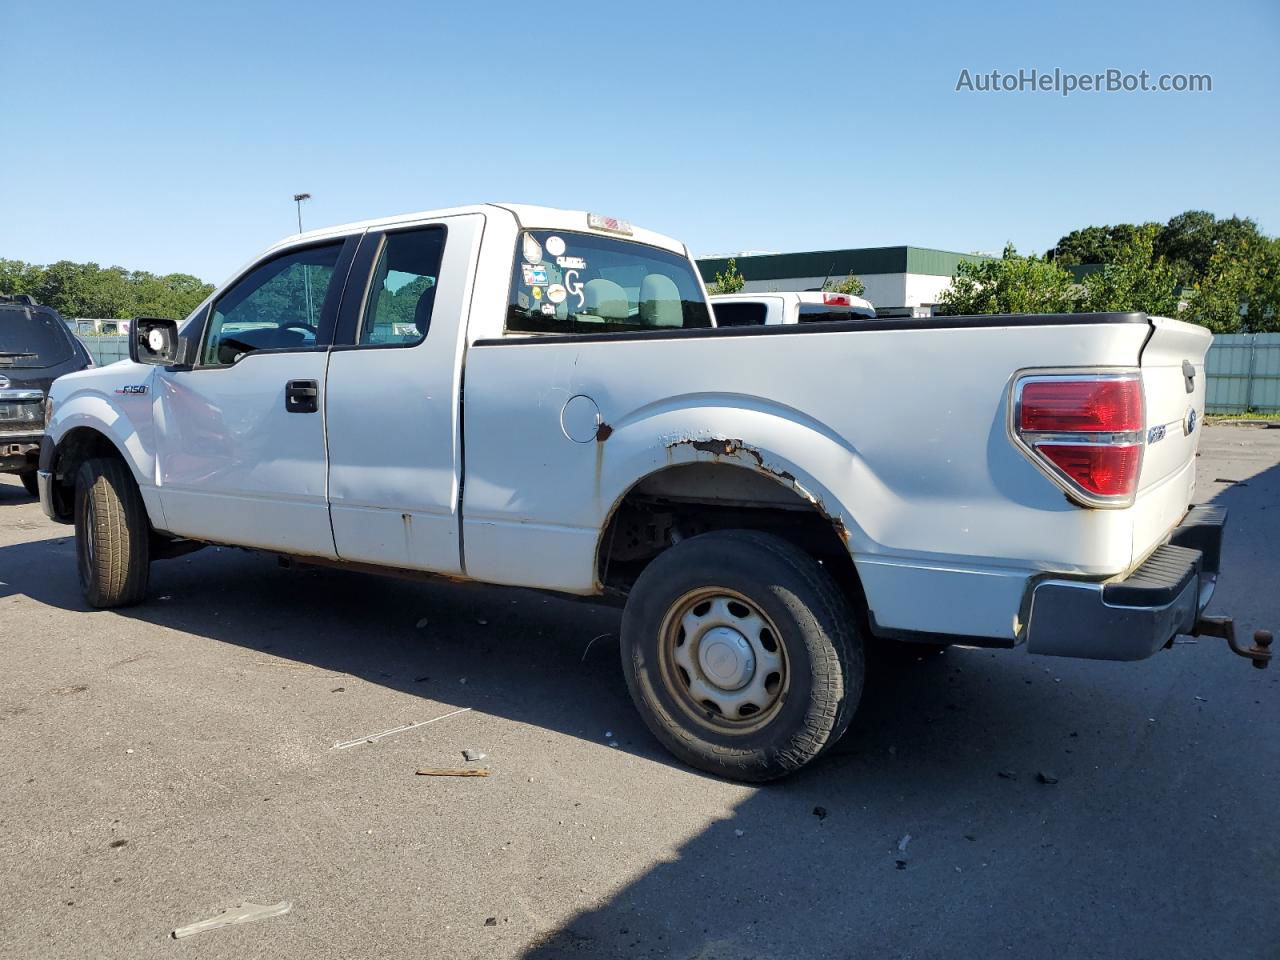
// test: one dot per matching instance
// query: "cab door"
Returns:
(240, 440)
(395, 379)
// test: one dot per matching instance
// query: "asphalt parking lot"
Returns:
(165, 762)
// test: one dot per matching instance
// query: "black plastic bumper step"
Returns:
(1201, 529)
(1159, 581)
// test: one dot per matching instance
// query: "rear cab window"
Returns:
(33, 338)
(574, 283)
(820, 313)
(740, 313)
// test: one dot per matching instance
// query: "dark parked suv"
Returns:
(35, 349)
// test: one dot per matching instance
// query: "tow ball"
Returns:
(1259, 654)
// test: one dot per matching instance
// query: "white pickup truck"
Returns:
(535, 397)
(770, 309)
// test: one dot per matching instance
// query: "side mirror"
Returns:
(155, 341)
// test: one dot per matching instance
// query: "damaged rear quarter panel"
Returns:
(898, 435)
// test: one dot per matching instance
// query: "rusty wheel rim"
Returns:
(723, 660)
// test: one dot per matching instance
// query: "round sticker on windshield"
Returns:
(532, 249)
(556, 292)
(555, 246)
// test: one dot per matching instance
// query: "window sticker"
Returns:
(570, 263)
(522, 299)
(555, 246)
(534, 275)
(555, 293)
(548, 310)
(532, 249)
(574, 286)
(537, 293)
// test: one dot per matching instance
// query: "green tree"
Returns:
(88, 290)
(1190, 240)
(1218, 299)
(1096, 244)
(731, 281)
(1134, 278)
(1263, 289)
(851, 285)
(1012, 284)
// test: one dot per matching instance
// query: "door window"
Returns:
(277, 305)
(402, 293)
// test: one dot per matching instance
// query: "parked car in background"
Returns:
(539, 398)
(768, 309)
(35, 349)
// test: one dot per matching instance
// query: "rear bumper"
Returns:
(1132, 618)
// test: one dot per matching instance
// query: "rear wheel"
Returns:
(29, 481)
(113, 535)
(741, 654)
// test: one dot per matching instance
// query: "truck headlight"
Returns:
(48, 411)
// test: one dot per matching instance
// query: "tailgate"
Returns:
(1174, 384)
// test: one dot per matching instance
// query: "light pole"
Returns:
(298, 198)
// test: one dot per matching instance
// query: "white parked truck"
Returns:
(535, 397)
(768, 309)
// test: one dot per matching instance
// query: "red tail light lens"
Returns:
(837, 300)
(1102, 471)
(1086, 432)
(1103, 406)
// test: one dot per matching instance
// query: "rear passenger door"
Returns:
(392, 397)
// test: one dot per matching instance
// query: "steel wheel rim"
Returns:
(723, 660)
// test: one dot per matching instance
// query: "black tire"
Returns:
(113, 535)
(821, 652)
(29, 481)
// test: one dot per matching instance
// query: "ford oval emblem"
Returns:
(4, 382)
(1190, 423)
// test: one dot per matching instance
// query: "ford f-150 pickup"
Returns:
(540, 398)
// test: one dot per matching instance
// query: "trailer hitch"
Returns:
(1259, 654)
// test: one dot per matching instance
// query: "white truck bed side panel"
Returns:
(892, 422)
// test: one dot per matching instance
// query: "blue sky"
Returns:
(172, 136)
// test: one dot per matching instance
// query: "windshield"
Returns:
(32, 338)
(581, 283)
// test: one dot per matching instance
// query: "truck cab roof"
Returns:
(527, 216)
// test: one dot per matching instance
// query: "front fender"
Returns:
(135, 442)
(115, 402)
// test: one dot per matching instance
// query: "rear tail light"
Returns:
(837, 300)
(1084, 431)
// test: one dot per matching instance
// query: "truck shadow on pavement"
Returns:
(928, 831)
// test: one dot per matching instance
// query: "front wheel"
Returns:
(113, 535)
(741, 654)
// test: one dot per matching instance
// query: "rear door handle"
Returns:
(302, 396)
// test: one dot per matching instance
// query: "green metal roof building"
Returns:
(900, 281)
